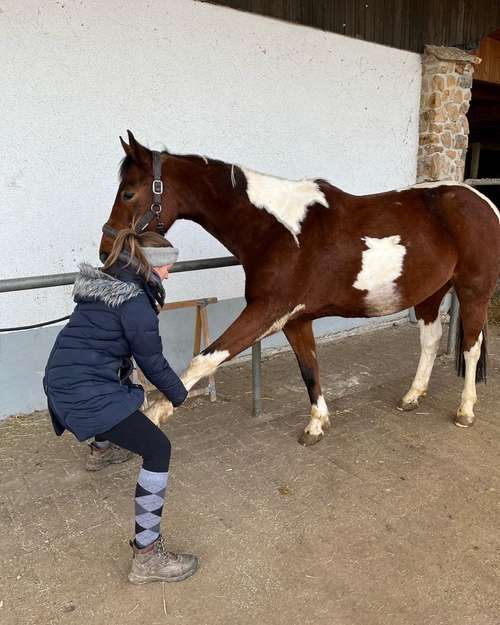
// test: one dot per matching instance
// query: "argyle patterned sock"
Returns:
(149, 500)
(101, 444)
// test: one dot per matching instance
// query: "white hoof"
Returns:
(412, 399)
(465, 416)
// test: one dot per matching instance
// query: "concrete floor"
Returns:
(393, 519)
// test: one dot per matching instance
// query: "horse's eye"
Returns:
(128, 195)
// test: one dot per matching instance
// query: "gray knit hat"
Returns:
(160, 256)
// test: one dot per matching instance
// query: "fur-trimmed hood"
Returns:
(94, 284)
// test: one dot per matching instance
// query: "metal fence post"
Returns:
(454, 321)
(412, 316)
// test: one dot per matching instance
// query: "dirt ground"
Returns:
(393, 519)
(494, 309)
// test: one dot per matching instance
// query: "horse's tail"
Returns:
(481, 369)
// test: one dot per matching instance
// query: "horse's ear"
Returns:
(126, 148)
(140, 154)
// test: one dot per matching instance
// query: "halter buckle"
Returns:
(157, 187)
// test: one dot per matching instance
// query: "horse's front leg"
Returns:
(257, 320)
(301, 338)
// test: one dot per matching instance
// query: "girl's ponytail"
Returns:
(132, 242)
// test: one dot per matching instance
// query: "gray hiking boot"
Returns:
(155, 564)
(100, 458)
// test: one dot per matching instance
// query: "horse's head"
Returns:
(155, 207)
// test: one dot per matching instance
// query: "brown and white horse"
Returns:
(310, 250)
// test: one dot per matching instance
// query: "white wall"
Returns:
(197, 78)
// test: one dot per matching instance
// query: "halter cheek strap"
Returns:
(154, 210)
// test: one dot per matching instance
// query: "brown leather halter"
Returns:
(154, 211)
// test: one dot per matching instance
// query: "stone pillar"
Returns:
(445, 98)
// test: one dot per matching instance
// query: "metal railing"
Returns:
(63, 279)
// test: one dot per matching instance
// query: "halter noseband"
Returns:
(154, 211)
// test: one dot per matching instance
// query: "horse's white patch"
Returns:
(314, 427)
(286, 200)
(319, 410)
(280, 323)
(430, 336)
(452, 183)
(201, 366)
(382, 264)
(469, 396)
(320, 417)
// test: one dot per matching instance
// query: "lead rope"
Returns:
(35, 325)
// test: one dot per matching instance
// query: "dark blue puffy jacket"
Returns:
(87, 375)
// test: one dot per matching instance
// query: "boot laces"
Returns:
(162, 550)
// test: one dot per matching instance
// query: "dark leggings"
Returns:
(138, 434)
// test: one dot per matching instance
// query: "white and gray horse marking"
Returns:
(286, 200)
(280, 323)
(430, 336)
(465, 411)
(320, 418)
(381, 266)
(202, 366)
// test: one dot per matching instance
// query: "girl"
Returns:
(89, 392)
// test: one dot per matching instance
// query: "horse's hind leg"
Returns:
(473, 315)
(301, 338)
(429, 321)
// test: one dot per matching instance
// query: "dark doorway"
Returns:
(483, 156)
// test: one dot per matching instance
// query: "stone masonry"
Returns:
(445, 98)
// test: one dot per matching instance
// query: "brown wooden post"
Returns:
(197, 333)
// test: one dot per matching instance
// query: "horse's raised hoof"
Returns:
(159, 411)
(308, 439)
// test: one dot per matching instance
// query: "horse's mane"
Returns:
(128, 161)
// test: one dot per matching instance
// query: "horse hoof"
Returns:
(307, 439)
(406, 406)
(463, 421)
(326, 425)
